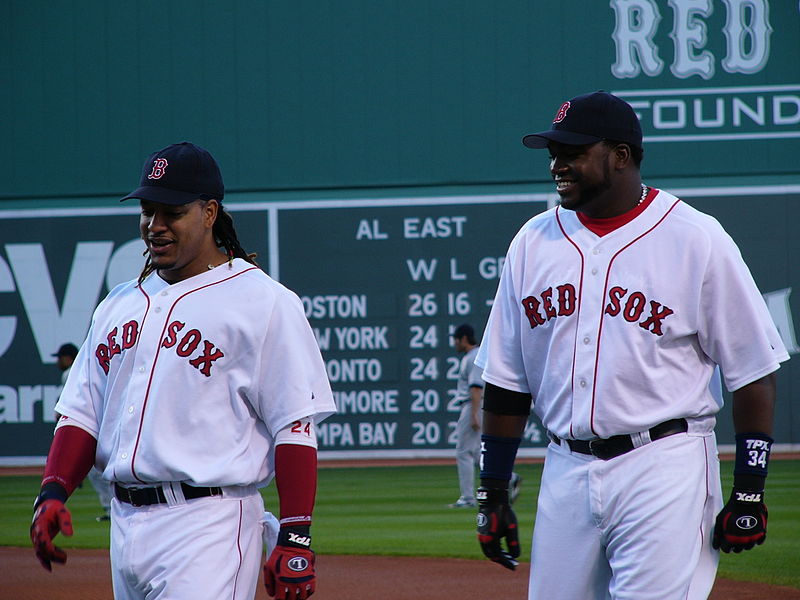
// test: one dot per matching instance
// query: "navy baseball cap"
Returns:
(67, 350)
(590, 118)
(179, 174)
(464, 330)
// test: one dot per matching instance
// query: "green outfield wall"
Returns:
(372, 158)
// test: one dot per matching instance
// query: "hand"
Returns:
(289, 570)
(742, 522)
(50, 518)
(496, 521)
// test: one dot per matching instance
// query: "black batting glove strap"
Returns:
(51, 490)
(296, 536)
(742, 522)
(496, 521)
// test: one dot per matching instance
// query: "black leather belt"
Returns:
(145, 496)
(618, 445)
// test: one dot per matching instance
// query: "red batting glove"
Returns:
(50, 518)
(289, 570)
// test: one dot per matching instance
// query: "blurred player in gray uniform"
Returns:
(469, 393)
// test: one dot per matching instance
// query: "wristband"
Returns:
(497, 456)
(752, 454)
(51, 491)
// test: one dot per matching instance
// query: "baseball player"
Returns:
(612, 312)
(196, 385)
(469, 392)
(469, 395)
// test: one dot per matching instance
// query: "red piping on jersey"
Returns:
(144, 318)
(155, 360)
(577, 317)
(239, 550)
(605, 291)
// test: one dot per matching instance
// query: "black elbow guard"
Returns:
(505, 402)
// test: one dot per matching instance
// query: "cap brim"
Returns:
(162, 195)
(543, 138)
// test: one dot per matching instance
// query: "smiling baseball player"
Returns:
(196, 385)
(612, 312)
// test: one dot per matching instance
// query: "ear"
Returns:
(622, 155)
(210, 212)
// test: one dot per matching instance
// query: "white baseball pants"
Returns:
(636, 527)
(203, 549)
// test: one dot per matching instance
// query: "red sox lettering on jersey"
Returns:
(184, 345)
(631, 306)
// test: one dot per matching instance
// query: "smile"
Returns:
(159, 245)
(563, 186)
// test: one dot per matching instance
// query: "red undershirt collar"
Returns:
(601, 227)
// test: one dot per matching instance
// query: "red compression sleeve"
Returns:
(71, 456)
(296, 480)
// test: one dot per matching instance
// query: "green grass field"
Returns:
(402, 511)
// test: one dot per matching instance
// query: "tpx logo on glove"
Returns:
(297, 563)
(302, 540)
(748, 497)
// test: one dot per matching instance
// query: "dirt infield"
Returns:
(86, 576)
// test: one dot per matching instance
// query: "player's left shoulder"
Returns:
(690, 220)
(269, 289)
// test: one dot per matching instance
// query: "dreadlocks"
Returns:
(224, 236)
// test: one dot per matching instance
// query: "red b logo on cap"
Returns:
(159, 168)
(562, 113)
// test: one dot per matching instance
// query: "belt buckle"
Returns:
(131, 501)
(592, 445)
(596, 448)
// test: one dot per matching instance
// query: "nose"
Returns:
(557, 165)
(156, 222)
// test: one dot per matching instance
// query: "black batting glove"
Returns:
(742, 522)
(496, 521)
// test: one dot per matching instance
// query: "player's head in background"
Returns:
(66, 356)
(183, 223)
(464, 337)
(595, 145)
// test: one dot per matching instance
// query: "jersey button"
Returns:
(582, 383)
(586, 340)
(594, 271)
(124, 455)
(163, 293)
(141, 369)
(130, 409)
(158, 309)
(596, 251)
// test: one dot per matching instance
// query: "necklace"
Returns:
(641, 198)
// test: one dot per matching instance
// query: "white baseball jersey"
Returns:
(618, 333)
(192, 381)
